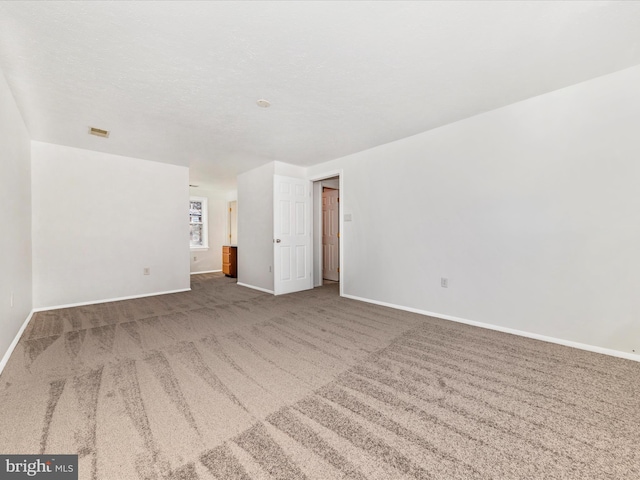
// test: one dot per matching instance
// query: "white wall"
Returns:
(255, 227)
(211, 259)
(231, 195)
(99, 219)
(289, 170)
(331, 183)
(531, 211)
(15, 218)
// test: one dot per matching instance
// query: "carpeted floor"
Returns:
(224, 382)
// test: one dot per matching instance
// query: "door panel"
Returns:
(301, 218)
(285, 263)
(301, 255)
(285, 217)
(292, 235)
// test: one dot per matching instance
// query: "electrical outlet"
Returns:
(444, 282)
(195, 259)
(146, 271)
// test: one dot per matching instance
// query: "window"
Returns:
(199, 234)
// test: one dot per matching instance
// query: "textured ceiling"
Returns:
(178, 82)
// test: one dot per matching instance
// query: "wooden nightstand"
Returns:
(230, 261)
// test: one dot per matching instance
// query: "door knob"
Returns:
(278, 240)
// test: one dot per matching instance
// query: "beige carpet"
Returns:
(228, 383)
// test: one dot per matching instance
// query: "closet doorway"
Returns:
(327, 228)
(330, 234)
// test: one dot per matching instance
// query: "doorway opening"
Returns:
(330, 234)
(232, 224)
(327, 241)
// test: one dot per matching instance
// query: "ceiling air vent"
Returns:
(98, 132)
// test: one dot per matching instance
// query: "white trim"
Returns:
(255, 288)
(14, 343)
(323, 176)
(106, 300)
(329, 174)
(206, 271)
(341, 227)
(567, 343)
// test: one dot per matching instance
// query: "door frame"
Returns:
(334, 192)
(316, 264)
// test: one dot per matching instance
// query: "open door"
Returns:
(292, 235)
(233, 222)
(330, 234)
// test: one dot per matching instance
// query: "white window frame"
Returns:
(205, 223)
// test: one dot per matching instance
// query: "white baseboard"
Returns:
(255, 288)
(567, 343)
(206, 271)
(107, 300)
(14, 343)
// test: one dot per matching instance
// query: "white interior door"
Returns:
(292, 235)
(330, 234)
(233, 222)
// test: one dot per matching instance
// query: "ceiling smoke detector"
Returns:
(98, 132)
(263, 103)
